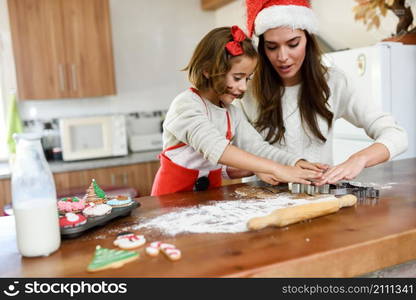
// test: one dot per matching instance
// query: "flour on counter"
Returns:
(228, 216)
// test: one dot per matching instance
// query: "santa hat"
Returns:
(263, 15)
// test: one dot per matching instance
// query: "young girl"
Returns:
(202, 131)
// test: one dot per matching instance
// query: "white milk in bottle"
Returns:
(36, 230)
(34, 199)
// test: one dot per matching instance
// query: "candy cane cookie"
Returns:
(153, 249)
(170, 251)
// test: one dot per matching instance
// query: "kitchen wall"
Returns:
(233, 13)
(340, 30)
(152, 41)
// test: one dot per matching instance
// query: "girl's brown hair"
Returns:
(268, 89)
(211, 57)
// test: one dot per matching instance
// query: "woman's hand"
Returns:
(347, 170)
(312, 166)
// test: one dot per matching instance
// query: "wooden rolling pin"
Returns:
(289, 215)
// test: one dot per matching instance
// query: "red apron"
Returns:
(173, 177)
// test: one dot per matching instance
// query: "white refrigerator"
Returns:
(385, 74)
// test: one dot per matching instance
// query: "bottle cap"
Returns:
(47, 125)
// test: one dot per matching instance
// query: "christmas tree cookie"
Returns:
(110, 259)
(95, 194)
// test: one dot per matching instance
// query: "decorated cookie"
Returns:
(95, 194)
(153, 249)
(169, 250)
(121, 197)
(110, 258)
(128, 240)
(120, 201)
(70, 204)
(72, 220)
(96, 210)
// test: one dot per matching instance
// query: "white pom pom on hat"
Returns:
(263, 15)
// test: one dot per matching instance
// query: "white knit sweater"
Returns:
(203, 125)
(345, 102)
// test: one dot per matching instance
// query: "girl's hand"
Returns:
(267, 178)
(284, 173)
(234, 173)
(312, 166)
(347, 170)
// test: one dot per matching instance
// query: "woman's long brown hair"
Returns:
(314, 93)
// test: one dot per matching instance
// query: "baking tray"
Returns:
(116, 212)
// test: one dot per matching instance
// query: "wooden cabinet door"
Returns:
(5, 193)
(138, 176)
(37, 31)
(62, 48)
(141, 176)
(69, 180)
(88, 47)
(112, 176)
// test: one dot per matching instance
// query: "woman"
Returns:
(295, 100)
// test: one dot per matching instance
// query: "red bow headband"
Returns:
(234, 47)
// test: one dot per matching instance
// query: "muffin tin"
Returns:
(116, 212)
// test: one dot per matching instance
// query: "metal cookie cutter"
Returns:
(360, 190)
(339, 189)
(300, 188)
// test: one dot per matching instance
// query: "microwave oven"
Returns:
(93, 137)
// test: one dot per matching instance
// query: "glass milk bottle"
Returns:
(34, 199)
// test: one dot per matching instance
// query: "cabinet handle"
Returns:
(113, 179)
(61, 71)
(125, 177)
(74, 77)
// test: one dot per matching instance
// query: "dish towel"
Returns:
(14, 123)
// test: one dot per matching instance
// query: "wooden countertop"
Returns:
(351, 242)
